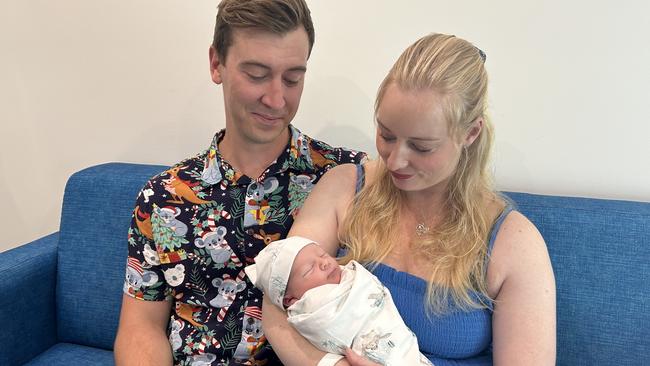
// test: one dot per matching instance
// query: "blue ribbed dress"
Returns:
(456, 338)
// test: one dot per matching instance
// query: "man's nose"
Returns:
(274, 94)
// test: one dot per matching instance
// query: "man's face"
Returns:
(311, 268)
(262, 79)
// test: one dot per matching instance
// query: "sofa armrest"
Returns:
(28, 315)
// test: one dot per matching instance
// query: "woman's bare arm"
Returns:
(326, 206)
(318, 220)
(524, 321)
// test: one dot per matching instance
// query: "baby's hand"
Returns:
(356, 360)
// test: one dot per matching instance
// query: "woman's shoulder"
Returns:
(517, 236)
(516, 227)
(370, 168)
(318, 218)
(335, 189)
(518, 247)
(345, 176)
(340, 177)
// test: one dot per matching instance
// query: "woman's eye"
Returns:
(421, 149)
(387, 138)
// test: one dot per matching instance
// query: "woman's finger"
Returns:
(357, 360)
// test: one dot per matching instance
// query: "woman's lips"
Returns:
(400, 176)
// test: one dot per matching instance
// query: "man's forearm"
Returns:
(142, 348)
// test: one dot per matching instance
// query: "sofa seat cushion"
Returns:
(66, 354)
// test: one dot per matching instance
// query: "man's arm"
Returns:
(142, 333)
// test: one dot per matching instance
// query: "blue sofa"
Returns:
(61, 294)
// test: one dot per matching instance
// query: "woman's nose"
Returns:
(396, 159)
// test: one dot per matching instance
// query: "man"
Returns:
(197, 225)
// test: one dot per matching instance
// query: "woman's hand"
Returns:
(357, 360)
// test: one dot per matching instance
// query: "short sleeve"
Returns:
(144, 279)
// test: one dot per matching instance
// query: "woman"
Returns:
(470, 275)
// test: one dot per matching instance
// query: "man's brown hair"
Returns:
(275, 16)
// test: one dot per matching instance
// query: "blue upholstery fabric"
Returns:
(92, 250)
(600, 250)
(66, 354)
(27, 320)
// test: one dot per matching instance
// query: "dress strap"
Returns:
(361, 177)
(497, 225)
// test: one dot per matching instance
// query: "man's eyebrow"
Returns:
(298, 68)
(254, 64)
(265, 67)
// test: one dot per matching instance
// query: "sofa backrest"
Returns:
(600, 250)
(92, 252)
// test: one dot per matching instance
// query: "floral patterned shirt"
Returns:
(197, 225)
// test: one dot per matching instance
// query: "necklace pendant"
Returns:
(421, 229)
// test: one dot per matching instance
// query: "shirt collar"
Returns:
(297, 155)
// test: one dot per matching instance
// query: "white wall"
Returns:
(84, 82)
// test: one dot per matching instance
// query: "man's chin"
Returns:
(267, 135)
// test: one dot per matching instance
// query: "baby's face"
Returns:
(311, 268)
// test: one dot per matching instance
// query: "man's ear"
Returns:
(473, 132)
(215, 72)
(288, 301)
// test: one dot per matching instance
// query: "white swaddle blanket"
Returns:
(358, 313)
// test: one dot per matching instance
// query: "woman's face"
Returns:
(413, 140)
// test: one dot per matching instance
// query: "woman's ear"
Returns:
(473, 132)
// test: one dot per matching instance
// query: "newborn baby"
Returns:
(332, 306)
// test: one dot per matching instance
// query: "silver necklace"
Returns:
(421, 229)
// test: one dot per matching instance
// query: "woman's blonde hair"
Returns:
(457, 248)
